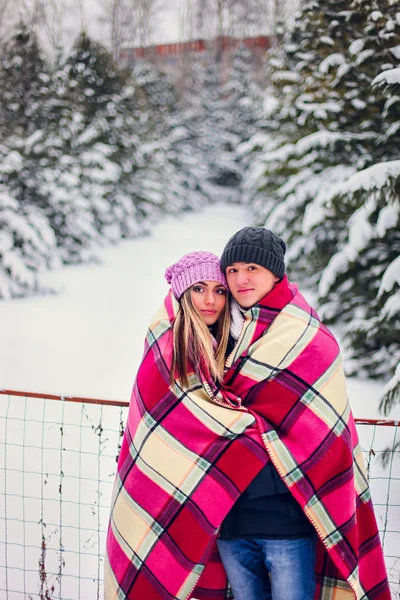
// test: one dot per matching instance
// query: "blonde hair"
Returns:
(193, 341)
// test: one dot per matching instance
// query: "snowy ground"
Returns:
(87, 340)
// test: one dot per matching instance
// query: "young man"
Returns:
(268, 540)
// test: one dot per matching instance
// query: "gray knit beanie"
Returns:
(256, 245)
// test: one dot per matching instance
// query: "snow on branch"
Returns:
(378, 181)
(374, 178)
(27, 247)
(333, 60)
(391, 277)
(285, 76)
(389, 77)
(319, 139)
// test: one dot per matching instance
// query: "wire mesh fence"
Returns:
(57, 466)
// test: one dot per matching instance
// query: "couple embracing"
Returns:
(240, 473)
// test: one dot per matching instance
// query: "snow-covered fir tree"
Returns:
(224, 101)
(212, 127)
(187, 131)
(98, 155)
(243, 100)
(365, 211)
(358, 288)
(59, 187)
(27, 241)
(24, 81)
(104, 102)
(164, 177)
(327, 166)
(388, 81)
(321, 81)
(24, 85)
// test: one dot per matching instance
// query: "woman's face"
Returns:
(209, 298)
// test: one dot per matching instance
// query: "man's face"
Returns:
(249, 282)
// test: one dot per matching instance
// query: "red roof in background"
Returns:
(224, 43)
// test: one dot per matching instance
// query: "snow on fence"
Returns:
(57, 466)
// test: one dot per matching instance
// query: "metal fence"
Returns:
(57, 466)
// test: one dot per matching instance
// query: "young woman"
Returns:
(165, 512)
(201, 327)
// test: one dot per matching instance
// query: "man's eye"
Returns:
(231, 270)
(251, 268)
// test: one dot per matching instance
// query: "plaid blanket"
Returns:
(188, 454)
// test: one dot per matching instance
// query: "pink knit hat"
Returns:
(192, 268)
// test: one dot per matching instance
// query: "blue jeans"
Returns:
(290, 563)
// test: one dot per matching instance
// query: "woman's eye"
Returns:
(222, 292)
(197, 288)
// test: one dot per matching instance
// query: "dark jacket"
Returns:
(266, 509)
